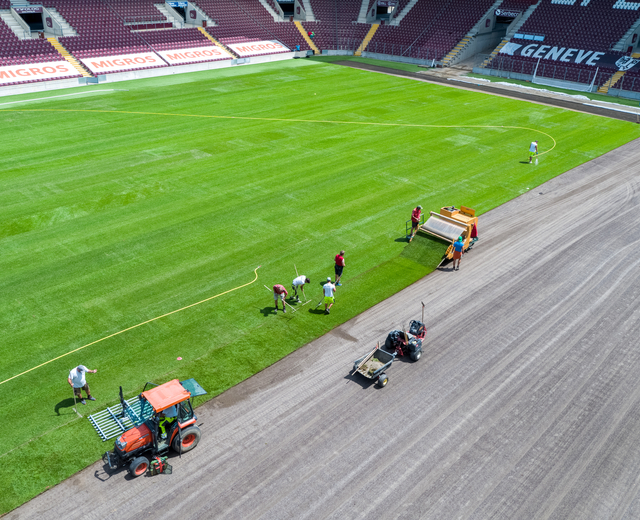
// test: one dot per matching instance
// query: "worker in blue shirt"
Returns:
(458, 249)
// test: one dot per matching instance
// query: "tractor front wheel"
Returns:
(190, 439)
(138, 466)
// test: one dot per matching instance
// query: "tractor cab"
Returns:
(164, 419)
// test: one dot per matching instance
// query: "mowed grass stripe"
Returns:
(110, 219)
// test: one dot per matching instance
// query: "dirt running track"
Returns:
(526, 403)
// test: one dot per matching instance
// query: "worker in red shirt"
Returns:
(339, 266)
(415, 221)
(280, 293)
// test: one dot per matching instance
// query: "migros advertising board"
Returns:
(32, 71)
(261, 47)
(123, 62)
(180, 56)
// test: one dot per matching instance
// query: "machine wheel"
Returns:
(383, 380)
(190, 439)
(416, 355)
(138, 466)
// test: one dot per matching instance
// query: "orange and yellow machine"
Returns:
(452, 223)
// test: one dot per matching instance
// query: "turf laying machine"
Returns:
(450, 224)
(160, 419)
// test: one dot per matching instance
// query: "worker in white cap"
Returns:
(329, 290)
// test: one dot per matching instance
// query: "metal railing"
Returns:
(507, 67)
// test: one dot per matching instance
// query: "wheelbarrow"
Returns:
(373, 366)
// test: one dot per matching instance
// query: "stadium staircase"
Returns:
(462, 44)
(398, 18)
(307, 7)
(277, 16)
(173, 17)
(309, 41)
(495, 52)
(65, 54)
(67, 30)
(364, 10)
(513, 29)
(16, 28)
(613, 80)
(366, 40)
(209, 37)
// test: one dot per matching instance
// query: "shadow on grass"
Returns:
(268, 311)
(402, 239)
(65, 403)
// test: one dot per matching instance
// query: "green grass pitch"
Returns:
(110, 218)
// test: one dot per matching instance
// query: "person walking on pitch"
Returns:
(339, 267)
(298, 283)
(280, 293)
(533, 150)
(329, 290)
(78, 382)
(415, 221)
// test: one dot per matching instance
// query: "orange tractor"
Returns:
(164, 419)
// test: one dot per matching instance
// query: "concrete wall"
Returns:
(55, 30)
(199, 18)
(615, 92)
(401, 59)
(299, 12)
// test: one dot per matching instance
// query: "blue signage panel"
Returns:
(179, 4)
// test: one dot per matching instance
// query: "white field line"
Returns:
(53, 97)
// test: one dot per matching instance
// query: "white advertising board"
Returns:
(122, 62)
(180, 56)
(51, 70)
(253, 48)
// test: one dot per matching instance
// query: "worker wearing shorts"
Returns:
(279, 293)
(415, 221)
(533, 150)
(339, 267)
(458, 249)
(79, 383)
(329, 289)
(298, 283)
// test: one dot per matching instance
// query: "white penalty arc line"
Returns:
(61, 96)
(246, 118)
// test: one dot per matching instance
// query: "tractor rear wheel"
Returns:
(190, 439)
(138, 466)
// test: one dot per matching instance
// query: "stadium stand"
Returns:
(14, 51)
(336, 28)
(422, 29)
(430, 29)
(138, 11)
(517, 5)
(577, 26)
